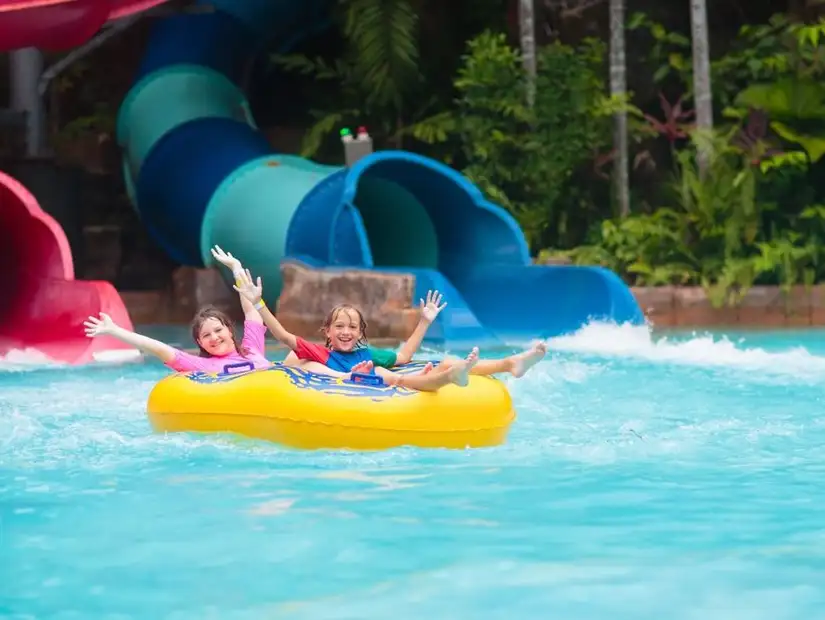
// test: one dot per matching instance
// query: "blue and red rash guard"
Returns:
(335, 360)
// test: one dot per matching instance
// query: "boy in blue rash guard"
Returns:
(346, 351)
(387, 358)
(516, 365)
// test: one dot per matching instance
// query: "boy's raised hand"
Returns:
(432, 307)
(252, 291)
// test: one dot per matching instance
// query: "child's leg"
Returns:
(517, 365)
(433, 379)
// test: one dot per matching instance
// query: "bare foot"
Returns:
(523, 362)
(427, 368)
(363, 367)
(460, 372)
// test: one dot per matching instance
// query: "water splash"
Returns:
(638, 463)
(27, 359)
(703, 350)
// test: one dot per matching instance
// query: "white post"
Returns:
(26, 69)
(356, 147)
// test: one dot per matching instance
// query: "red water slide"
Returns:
(42, 306)
(60, 24)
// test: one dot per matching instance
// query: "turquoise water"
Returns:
(646, 477)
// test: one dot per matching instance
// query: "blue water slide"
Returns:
(199, 172)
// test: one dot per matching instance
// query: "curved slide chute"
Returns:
(201, 173)
(45, 306)
(42, 306)
(60, 24)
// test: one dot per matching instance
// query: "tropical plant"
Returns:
(716, 233)
(377, 74)
(796, 107)
(775, 67)
(523, 157)
(668, 50)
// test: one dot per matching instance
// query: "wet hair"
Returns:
(211, 312)
(333, 315)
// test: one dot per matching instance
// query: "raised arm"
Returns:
(105, 326)
(252, 292)
(429, 311)
(232, 263)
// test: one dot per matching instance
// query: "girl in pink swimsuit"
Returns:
(212, 331)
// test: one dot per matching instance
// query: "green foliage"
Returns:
(671, 51)
(717, 233)
(755, 214)
(523, 157)
(384, 49)
(376, 75)
(776, 67)
(760, 53)
(797, 107)
(81, 105)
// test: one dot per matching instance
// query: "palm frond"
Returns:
(326, 124)
(316, 67)
(383, 34)
(432, 130)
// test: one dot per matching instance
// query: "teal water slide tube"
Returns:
(199, 172)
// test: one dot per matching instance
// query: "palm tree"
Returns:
(618, 88)
(376, 75)
(527, 34)
(702, 93)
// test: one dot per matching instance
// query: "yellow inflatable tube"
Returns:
(306, 410)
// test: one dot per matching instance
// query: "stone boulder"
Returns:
(309, 294)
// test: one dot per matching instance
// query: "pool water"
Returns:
(647, 477)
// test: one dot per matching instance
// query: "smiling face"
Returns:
(344, 329)
(215, 338)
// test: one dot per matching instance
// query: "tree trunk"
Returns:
(702, 93)
(527, 34)
(618, 87)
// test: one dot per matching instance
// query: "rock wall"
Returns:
(762, 306)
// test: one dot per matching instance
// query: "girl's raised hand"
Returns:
(226, 258)
(253, 291)
(99, 326)
(431, 308)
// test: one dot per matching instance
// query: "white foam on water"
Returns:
(27, 359)
(705, 350)
(34, 359)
